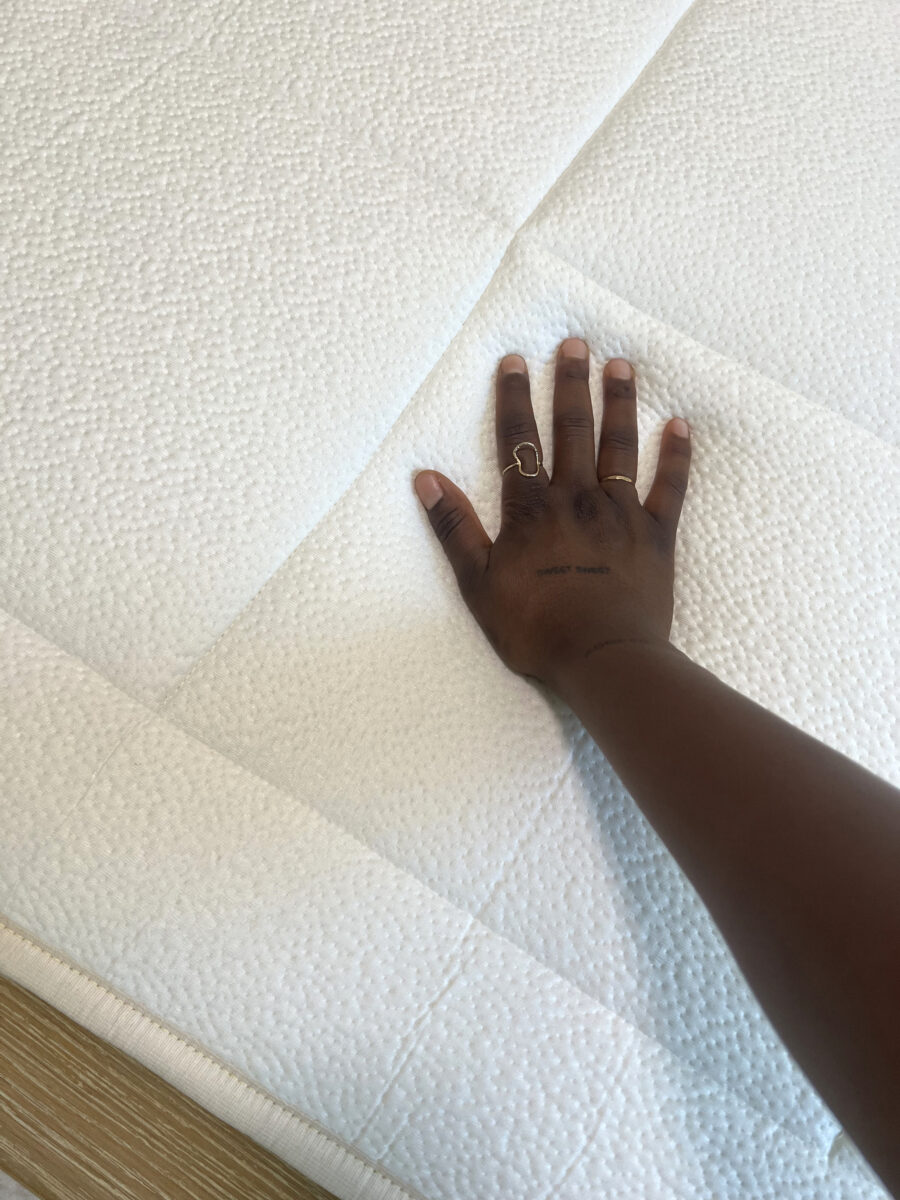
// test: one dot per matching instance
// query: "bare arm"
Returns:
(794, 849)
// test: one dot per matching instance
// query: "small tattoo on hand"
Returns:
(583, 570)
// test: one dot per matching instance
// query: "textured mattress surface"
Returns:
(275, 818)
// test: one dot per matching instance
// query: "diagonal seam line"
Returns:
(417, 1029)
(623, 1066)
(169, 695)
(475, 202)
(529, 828)
(613, 108)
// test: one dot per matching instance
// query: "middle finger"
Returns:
(574, 453)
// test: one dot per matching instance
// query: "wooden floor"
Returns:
(80, 1120)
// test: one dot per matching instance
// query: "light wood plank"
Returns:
(81, 1120)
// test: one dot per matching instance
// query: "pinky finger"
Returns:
(666, 497)
(456, 525)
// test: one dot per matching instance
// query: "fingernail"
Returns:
(512, 363)
(680, 427)
(573, 348)
(428, 489)
(619, 368)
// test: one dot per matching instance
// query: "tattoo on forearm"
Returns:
(562, 570)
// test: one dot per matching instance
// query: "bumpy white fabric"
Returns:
(276, 819)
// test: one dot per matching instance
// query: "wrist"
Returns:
(604, 665)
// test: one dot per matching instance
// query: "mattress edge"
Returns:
(291, 1136)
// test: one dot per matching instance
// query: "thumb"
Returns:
(457, 526)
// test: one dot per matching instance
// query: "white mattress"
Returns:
(276, 820)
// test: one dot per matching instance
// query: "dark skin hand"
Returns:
(792, 846)
(565, 543)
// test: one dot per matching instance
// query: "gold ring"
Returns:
(518, 462)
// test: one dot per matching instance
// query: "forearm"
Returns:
(795, 850)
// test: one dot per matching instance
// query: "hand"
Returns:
(578, 563)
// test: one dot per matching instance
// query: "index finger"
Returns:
(515, 423)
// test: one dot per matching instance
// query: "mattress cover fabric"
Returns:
(275, 817)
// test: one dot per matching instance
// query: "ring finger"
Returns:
(619, 429)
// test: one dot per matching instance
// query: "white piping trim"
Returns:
(297, 1140)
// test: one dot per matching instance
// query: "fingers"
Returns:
(573, 417)
(666, 496)
(515, 424)
(619, 429)
(457, 526)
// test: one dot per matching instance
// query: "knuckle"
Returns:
(574, 422)
(586, 505)
(662, 537)
(516, 382)
(620, 439)
(620, 389)
(447, 521)
(678, 482)
(518, 430)
(471, 576)
(574, 369)
(525, 506)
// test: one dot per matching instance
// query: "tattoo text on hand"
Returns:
(562, 570)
